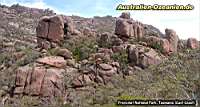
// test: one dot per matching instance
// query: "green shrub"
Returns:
(52, 52)
(81, 48)
(122, 58)
(5, 58)
(30, 56)
(133, 41)
(157, 46)
(27, 101)
(104, 42)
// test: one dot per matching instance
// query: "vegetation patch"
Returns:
(81, 48)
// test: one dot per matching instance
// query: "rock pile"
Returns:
(166, 45)
(127, 27)
(142, 56)
(99, 73)
(107, 40)
(156, 42)
(192, 43)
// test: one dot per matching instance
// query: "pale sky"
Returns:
(185, 23)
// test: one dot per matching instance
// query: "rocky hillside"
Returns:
(70, 61)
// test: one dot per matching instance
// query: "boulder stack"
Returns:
(166, 45)
(99, 73)
(50, 29)
(142, 56)
(127, 27)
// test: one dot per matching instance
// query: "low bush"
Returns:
(81, 48)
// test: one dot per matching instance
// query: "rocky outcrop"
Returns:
(158, 43)
(192, 43)
(83, 80)
(149, 58)
(115, 41)
(125, 15)
(54, 61)
(166, 45)
(106, 69)
(126, 27)
(88, 32)
(150, 30)
(39, 81)
(49, 29)
(142, 56)
(96, 73)
(107, 40)
(103, 54)
(123, 28)
(104, 39)
(64, 53)
(69, 27)
(173, 39)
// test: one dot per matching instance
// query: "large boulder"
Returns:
(192, 43)
(149, 58)
(173, 39)
(106, 70)
(142, 56)
(127, 27)
(124, 28)
(50, 28)
(42, 29)
(159, 43)
(21, 78)
(53, 83)
(55, 61)
(64, 53)
(35, 80)
(133, 54)
(68, 25)
(56, 26)
(105, 66)
(165, 46)
(39, 81)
